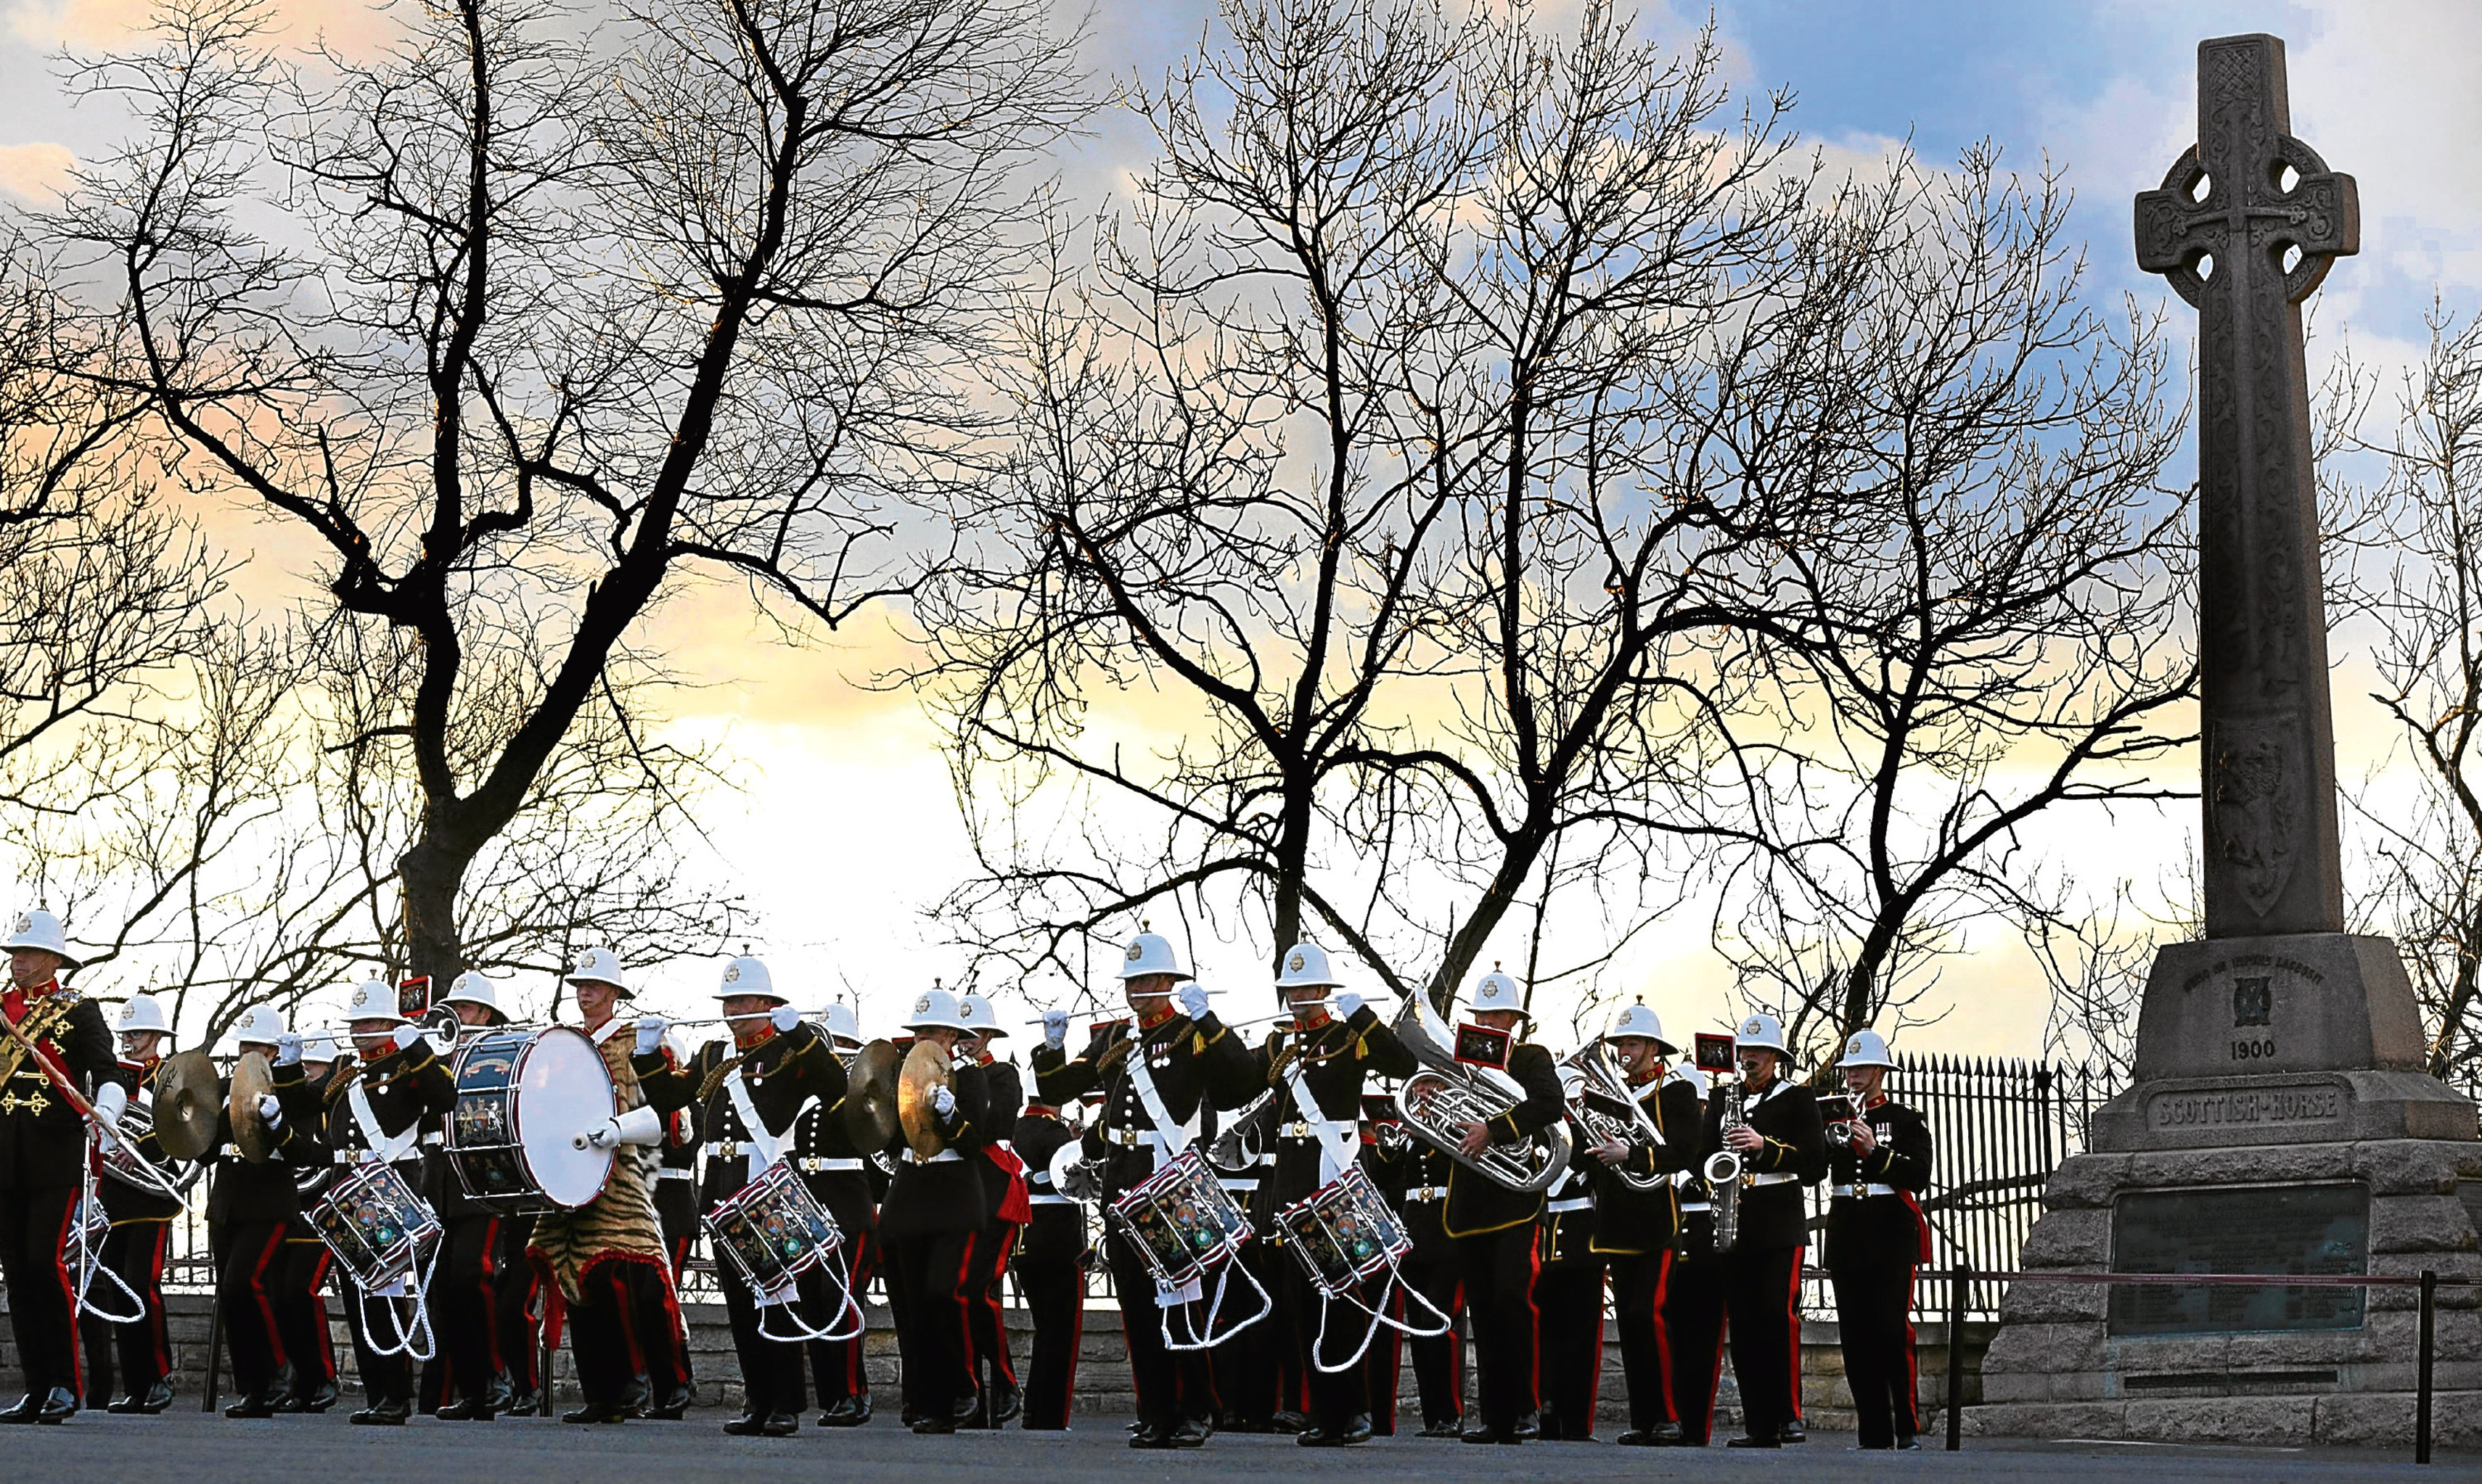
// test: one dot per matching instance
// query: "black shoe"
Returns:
(1529, 1427)
(467, 1409)
(256, 1405)
(55, 1406)
(1149, 1435)
(1484, 1433)
(846, 1412)
(781, 1424)
(1638, 1438)
(933, 1426)
(1002, 1404)
(1191, 1434)
(1907, 1446)
(1791, 1432)
(1548, 1427)
(521, 1404)
(1449, 1428)
(501, 1395)
(1751, 1442)
(671, 1407)
(1668, 1434)
(388, 1412)
(963, 1410)
(319, 1398)
(1287, 1422)
(596, 1413)
(158, 1397)
(1319, 1436)
(750, 1424)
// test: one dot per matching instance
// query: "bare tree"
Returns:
(1993, 627)
(557, 315)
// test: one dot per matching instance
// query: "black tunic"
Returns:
(946, 1195)
(42, 1138)
(1477, 1204)
(1335, 1058)
(1885, 1228)
(1192, 1062)
(1058, 1231)
(1629, 1221)
(782, 1073)
(122, 1201)
(1787, 1117)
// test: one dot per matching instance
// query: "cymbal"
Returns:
(251, 1076)
(925, 1067)
(185, 1106)
(870, 1095)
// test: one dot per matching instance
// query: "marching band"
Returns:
(1352, 1186)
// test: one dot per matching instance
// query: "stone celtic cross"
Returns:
(2245, 225)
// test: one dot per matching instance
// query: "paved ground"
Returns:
(186, 1447)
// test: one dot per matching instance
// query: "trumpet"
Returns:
(1600, 1085)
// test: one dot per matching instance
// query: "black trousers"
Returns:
(42, 1302)
(598, 1332)
(250, 1273)
(136, 1250)
(1693, 1329)
(837, 1364)
(1334, 1396)
(1439, 1360)
(1498, 1269)
(986, 1322)
(1256, 1373)
(517, 1305)
(1569, 1300)
(1172, 1385)
(1874, 1314)
(659, 1337)
(771, 1370)
(464, 1304)
(1638, 1295)
(1053, 1288)
(379, 1325)
(1762, 1304)
(936, 1270)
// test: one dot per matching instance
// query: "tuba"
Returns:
(1593, 1102)
(1445, 1093)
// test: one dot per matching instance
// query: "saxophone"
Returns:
(1723, 1172)
(1445, 1093)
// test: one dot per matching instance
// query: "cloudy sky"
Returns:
(847, 827)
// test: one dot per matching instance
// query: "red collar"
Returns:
(1875, 1101)
(762, 1032)
(1042, 1110)
(1156, 1015)
(18, 1000)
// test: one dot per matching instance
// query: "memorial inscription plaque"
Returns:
(2276, 1230)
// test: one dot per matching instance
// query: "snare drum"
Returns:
(377, 1226)
(773, 1230)
(1343, 1233)
(523, 1099)
(1180, 1221)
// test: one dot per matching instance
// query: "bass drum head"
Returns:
(565, 1090)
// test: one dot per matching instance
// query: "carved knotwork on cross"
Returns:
(2247, 217)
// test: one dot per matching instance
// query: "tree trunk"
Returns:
(429, 877)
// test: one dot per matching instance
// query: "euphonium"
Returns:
(1446, 1093)
(1597, 1076)
(1723, 1174)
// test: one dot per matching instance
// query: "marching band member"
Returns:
(250, 1205)
(745, 1092)
(1050, 1268)
(1005, 1199)
(375, 1114)
(1693, 1294)
(302, 1263)
(597, 1256)
(1316, 1068)
(465, 1281)
(935, 1216)
(1155, 1080)
(1256, 1379)
(1493, 1226)
(43, 1154)
(1878, 1164)
(1417, 1182)
(1635, 1228)
(1569, 1306)
(1782, 1148)
(837, 1174)
(142, 1231)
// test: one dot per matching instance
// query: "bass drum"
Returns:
(525, 1100)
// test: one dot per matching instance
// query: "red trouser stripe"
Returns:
(155, 1292)
(966, 1315)
(1534, 1326)
(319, 1313)
(491, 1299)
(259, 1295)
(1909, 1413)
(991, 1304)
(1792, 1327)
(70, 1297)
(1663, 1333)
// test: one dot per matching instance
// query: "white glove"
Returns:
(269, 1111)
(784, 1017)
(650, 1034)
(1055, 1028)
(942, 1101)
(1193, 999)
(407, 1035)
(1348, 1004)
(288, 1049)
(109, 1100)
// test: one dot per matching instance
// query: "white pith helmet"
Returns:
(745, 975)
(1762, 1033)
(1305, 967)
(472, 988)
(141, 1011)
(41, 929)
(1498, 991)
(258, 1026)
(373, 1000)
(977, 1015)
(843, 1023)
(598, 966)
(1687, 1071)
(324, 1045)
(1640, 1021)
(1151, 953)
(936, 1007)
(1866, 1048)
